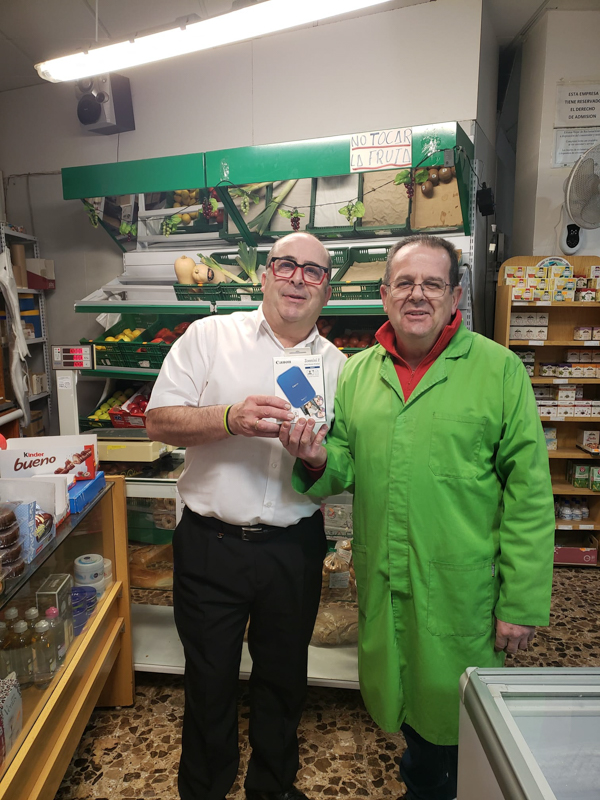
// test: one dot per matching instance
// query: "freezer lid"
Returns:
(539, 729)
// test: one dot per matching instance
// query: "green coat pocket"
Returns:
(460, 599)
(455, 445)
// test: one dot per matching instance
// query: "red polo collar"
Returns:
(409, 378)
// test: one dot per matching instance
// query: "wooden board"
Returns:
(440, 211)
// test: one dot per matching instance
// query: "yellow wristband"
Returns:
(226, 421)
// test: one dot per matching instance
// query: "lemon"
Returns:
(186, 219)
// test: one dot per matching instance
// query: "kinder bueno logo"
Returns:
(37, 460)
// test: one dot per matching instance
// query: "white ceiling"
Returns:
(35, 30)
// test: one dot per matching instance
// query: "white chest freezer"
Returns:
(529, 734)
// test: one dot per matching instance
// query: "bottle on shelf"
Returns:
(11, 615)
(44, 654)
(21, 655)
(5, 666)
(57, 627)
(32, 615)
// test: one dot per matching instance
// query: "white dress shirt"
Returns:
(221, 360)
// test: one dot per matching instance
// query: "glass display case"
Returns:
(94, 664)
(529, 734)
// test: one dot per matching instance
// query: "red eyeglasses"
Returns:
(286, 267)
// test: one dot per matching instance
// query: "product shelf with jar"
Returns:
(97, 666)
(561, 354)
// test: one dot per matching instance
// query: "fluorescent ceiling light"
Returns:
(247, 23)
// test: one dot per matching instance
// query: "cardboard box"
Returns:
(580, 476)
(19, 268)
(570, 549)
(595, 479)
(51, 455)
(298, 378)
(38, 382)
(11, 710)
(582, 333)
(588, 438)
(40, 273)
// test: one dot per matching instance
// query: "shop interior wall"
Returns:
(378, 71)
(484, 137)
(564, 45)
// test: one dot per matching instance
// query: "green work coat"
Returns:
(453, 521)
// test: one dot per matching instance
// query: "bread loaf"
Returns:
(336, 624)
(335, 585)
(151, 567)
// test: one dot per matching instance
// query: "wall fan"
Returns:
(582, 200)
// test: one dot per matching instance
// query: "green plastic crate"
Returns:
(122, 354)
(201, 293)
(231, 292)
(394, 229)
(358, 325)
(359, 290)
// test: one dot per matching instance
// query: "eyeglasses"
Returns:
(431, 289)
(285, 268)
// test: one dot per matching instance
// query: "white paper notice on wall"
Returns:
(571, 143)
(577, 104)
(378, 150)
(64, 382)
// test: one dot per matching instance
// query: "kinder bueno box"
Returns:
(73, 456)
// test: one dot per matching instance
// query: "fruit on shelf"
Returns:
(126, 335)
(115, 401)
(184, 266)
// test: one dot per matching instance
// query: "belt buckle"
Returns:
(252, 529)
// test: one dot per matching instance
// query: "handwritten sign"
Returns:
(378, 150)
(577, 105)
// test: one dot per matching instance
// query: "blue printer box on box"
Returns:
(84, 492)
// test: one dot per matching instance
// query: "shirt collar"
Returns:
(386, 336)
(262, 324)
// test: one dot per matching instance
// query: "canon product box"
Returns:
(56, 592)
(299, 379)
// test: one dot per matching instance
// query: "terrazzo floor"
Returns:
(133, 752)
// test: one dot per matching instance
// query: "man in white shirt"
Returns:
(247, 544)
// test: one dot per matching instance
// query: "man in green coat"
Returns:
(437, 434)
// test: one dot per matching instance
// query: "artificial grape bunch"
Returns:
(169, 225)
(245, 203)
(206, 208)
(295, 220)
(410, 190)
(92, 215)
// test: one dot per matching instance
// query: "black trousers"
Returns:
(428, 770)
(218, 582)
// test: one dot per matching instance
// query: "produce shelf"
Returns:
(582, 420)
(121, 372)
(571, 452)
(552, 343)
(565, 525)
(561, 304)
(541, 380)
(562, 487)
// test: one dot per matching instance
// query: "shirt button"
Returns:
(275, 464)
(268, 505)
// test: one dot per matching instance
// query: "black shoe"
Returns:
(289, 794)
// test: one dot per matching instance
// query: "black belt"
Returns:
(249, 533)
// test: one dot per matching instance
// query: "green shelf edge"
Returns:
(107, 372)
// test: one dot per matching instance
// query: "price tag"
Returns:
(564, 527)
(116, 447)
(560, 380)
(590, 344)
(519, 303)
(536, 343)
(559, 419)
(586, 527)
(544, 303)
